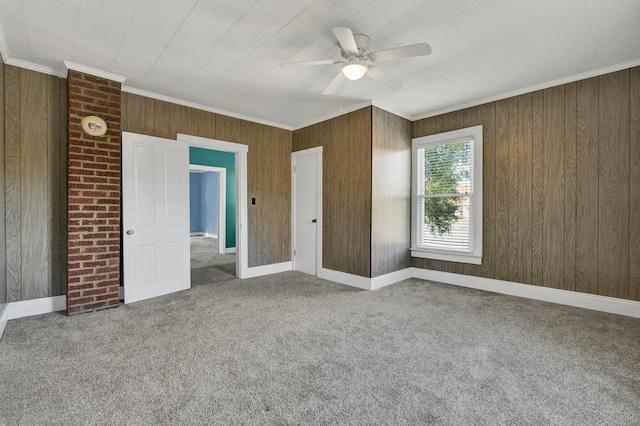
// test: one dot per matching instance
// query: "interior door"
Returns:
(155, 213)
(307, 210)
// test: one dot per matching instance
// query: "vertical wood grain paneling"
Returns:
(35, 153)
(178, 120)
(391, 193)
(346, 142)
(587, 186)
(2, 193)
(161, 119)
(570, 186)
(553, 187)
(255, 175)
(524, 157)
(502, 190)
(34, 188)
(12, 184)
(269, 181)
(197, 123)
(613, 256)
(488, 121)
(149, 116)
(54, 188)
(134, 113)
(634, 180)
(512, 202)
(537, 190)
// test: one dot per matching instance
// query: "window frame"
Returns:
(474, 255)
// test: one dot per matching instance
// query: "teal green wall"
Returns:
(226, 160)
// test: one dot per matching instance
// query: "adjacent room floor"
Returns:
(207, 265)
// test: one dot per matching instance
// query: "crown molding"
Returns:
(35, 67)
(189, 104)
(529, 89)
(94, 72)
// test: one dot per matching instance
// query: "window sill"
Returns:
(448, 256)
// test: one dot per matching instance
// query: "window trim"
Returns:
(474, 256)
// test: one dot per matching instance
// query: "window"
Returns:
(447, 196)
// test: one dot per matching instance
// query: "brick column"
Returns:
(93, 227)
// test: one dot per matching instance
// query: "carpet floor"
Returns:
(293, 349)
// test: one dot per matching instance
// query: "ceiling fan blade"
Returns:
(413, 50)
(335, 83)
(346, 39)
(384, 78)
(310, 63)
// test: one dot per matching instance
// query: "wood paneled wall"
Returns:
(391, 193)
(346, 195)
(35, 184)
(269, 165)
(561, 186)
(2, 196)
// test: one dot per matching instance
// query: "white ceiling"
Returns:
(225, 55)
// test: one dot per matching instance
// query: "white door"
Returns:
(307, 210)
(155, 214)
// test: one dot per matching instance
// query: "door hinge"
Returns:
(294, 252)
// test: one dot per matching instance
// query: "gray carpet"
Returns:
(207, 266)
(293, 349)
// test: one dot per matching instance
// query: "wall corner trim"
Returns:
(391, 278)
(45, 305)
(4, 318)
(365, 283)
(357, 281)
(94, 72)
(274, 268)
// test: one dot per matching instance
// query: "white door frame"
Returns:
(240, 150)
(222, 202)
(317, 150)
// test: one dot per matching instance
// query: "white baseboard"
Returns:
(274, 268)
(391, 278)
(363, 283)
(203, 234)
(44, 305)
(4, 317)
(230, 250)
(563, 297)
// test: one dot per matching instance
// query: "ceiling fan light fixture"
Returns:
(354, 70)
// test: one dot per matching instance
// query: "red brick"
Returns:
(94, 292)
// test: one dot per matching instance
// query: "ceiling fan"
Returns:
(358, 56)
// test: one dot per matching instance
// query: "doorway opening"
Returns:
(210, 261)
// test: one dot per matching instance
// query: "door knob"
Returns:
(314, 220)
(130, 232)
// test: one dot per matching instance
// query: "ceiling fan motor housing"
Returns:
(364, 48)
